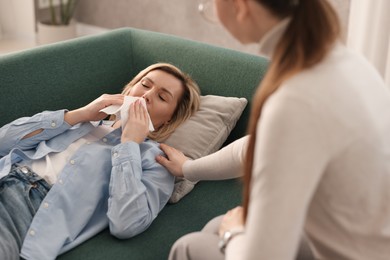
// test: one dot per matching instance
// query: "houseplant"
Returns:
(61, 25)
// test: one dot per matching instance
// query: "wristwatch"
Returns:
(227, 236)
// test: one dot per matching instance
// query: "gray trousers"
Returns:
(203, 245)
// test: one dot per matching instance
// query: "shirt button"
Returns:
(115, 154)
(72, 162)
(24, 170)
(45, 205)
(60, 181)
(88, 142)
(53, 124)
(105, 140)
(32, 232)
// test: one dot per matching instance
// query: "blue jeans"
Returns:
(21, 193)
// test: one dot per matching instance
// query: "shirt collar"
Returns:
(269, 41)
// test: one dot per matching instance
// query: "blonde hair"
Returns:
(187, 105)
(312, 31)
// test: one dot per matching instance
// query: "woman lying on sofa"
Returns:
(64, 178)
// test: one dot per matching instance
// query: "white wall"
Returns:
(369, 33)
(177, 17)
(17, 18)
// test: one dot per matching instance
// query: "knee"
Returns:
(212, 226)
(182, 248)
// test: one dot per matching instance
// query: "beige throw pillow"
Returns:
(204, 133)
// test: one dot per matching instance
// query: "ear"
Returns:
(242, 9)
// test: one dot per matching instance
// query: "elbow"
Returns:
(121, 233)
(127, 228)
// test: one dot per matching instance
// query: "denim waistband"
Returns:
(25, 174)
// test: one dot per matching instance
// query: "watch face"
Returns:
(224, 240)
(227, 236)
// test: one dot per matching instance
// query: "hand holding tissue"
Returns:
(122, 111)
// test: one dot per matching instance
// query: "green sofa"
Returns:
(73, 73)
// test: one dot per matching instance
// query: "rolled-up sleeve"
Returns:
(11, 135)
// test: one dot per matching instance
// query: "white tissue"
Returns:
(122, 111)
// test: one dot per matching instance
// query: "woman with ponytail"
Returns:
(317, 161)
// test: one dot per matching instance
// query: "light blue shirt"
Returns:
(105, 183)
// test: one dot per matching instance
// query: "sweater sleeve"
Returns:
(223, 164)
(289, 159)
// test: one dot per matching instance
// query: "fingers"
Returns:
(103, 102)
(170, 151)
(162, 160)
(233, 219)
(165, 161)
(237, 213)
(139, 111)
(91, 111)
(166, 149)
(236, 210)
(143, 112)
(174, 161)
(136, 128)
(108, 100)
(174, 168)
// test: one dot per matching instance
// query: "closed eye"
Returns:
(144, 85)
(161, 97)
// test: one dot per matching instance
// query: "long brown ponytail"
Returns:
(312, 31)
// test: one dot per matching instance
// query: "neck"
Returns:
(262, 20)
(269, 41)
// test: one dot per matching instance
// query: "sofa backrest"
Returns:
(73, 73)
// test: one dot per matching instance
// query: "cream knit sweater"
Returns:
(322, 164)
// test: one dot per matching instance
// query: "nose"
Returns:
(150, 94)
(146, 96)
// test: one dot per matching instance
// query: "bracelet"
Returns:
(227, 236)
